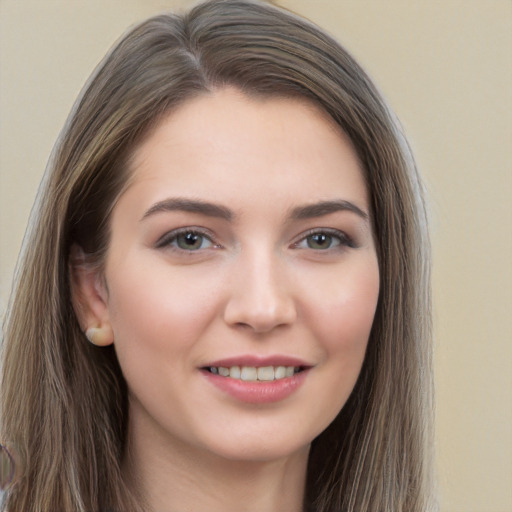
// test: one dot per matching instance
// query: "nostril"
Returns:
(261, 324)
(260, 299)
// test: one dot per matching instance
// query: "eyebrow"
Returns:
(215, 210)
(192, 206)
(325, 208)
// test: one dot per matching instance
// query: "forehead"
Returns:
(225, 142)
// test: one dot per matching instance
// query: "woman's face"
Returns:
(242, 277)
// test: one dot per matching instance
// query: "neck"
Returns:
(183, 478)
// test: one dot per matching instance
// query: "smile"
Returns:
(253, 373)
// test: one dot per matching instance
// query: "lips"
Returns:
(256, 379)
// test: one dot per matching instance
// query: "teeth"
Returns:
(251, 373)
(266, 373)
(248, 373)
(234, 372)
(280, 372)
(223, 371)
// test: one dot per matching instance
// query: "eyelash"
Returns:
(343, 239)
(169, 239)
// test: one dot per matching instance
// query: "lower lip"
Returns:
(257, 392)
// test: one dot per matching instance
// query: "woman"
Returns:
(223, 300)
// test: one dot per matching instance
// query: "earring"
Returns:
(101, 336)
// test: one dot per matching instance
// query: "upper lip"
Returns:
(258, 361)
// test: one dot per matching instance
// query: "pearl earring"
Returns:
(100, 336)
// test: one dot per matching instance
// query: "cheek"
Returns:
(153, 306)
(340, 315)
(342, 312)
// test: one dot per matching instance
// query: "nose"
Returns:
(261, 296)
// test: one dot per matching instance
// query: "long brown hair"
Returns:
(63, 401)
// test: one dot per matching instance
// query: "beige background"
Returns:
(446, 68)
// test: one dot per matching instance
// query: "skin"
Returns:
(257, 284)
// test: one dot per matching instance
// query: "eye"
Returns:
(191, 241)
(323, 240)
(185, 240)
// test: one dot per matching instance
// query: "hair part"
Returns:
(64, 401)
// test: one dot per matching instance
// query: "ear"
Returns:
(89, 297)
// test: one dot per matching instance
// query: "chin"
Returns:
(259, 448)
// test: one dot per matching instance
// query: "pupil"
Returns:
(320, 241)
(189, 240)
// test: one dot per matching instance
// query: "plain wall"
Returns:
(446, 68)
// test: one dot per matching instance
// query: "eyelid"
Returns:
(165, 240)
(344, 239)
